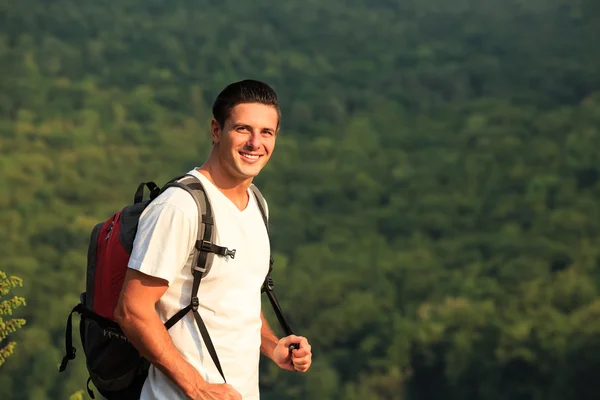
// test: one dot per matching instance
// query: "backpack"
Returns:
(115, 366)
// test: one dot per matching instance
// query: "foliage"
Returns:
(7, 307)
(433, 192)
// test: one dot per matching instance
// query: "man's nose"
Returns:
(254, 141)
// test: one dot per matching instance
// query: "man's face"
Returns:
(247, 139)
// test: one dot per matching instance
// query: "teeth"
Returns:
(250, 156)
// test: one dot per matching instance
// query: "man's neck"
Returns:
(234, 190)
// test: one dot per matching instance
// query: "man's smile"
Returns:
(249, 156)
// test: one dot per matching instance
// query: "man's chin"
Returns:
(249, 173)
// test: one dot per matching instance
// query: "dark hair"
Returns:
(246, 91)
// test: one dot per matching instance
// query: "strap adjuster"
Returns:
(208, 247)
(267, 285)
(199, 268)
(205, 246)
(195, 303)
(229, 253)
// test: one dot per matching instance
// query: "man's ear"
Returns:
(215, 131)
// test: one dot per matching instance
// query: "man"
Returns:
(158, 282)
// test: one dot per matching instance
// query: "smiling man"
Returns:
(158, 282)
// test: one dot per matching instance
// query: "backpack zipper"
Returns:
(109, 230)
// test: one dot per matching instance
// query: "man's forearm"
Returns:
(152, 340)
(268, 338)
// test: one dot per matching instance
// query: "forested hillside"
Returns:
(434, 191)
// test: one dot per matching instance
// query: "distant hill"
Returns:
(433, 192)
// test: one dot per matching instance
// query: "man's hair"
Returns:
(246, 91)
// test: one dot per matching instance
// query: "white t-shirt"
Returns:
(229, 296)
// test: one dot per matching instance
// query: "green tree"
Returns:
(7, 307)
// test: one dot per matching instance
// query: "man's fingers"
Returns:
(302, 352)
(301, 361)
(302, 355)
(302, 367)
(289, 340)
(301, 358)
(304, 343)
(232, 394)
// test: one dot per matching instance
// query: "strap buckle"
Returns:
(205, 246)
(229, 253)
(269, 283)
(195, 303)
(208, 247)
(199, 268)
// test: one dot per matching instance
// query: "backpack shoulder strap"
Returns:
(262, 204)
(268, 285)
(205, 248)
(204, 251)
(264, 211)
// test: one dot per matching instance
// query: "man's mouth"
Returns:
(249, 156)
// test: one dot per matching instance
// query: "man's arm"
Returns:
(268, 338)
(278, 349)
(136, 315)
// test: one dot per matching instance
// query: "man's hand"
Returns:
(137, 316)
(217, 391)
(299, 359)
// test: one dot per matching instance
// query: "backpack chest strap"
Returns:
(204, 245)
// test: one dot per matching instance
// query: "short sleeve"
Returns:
(164, 241)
